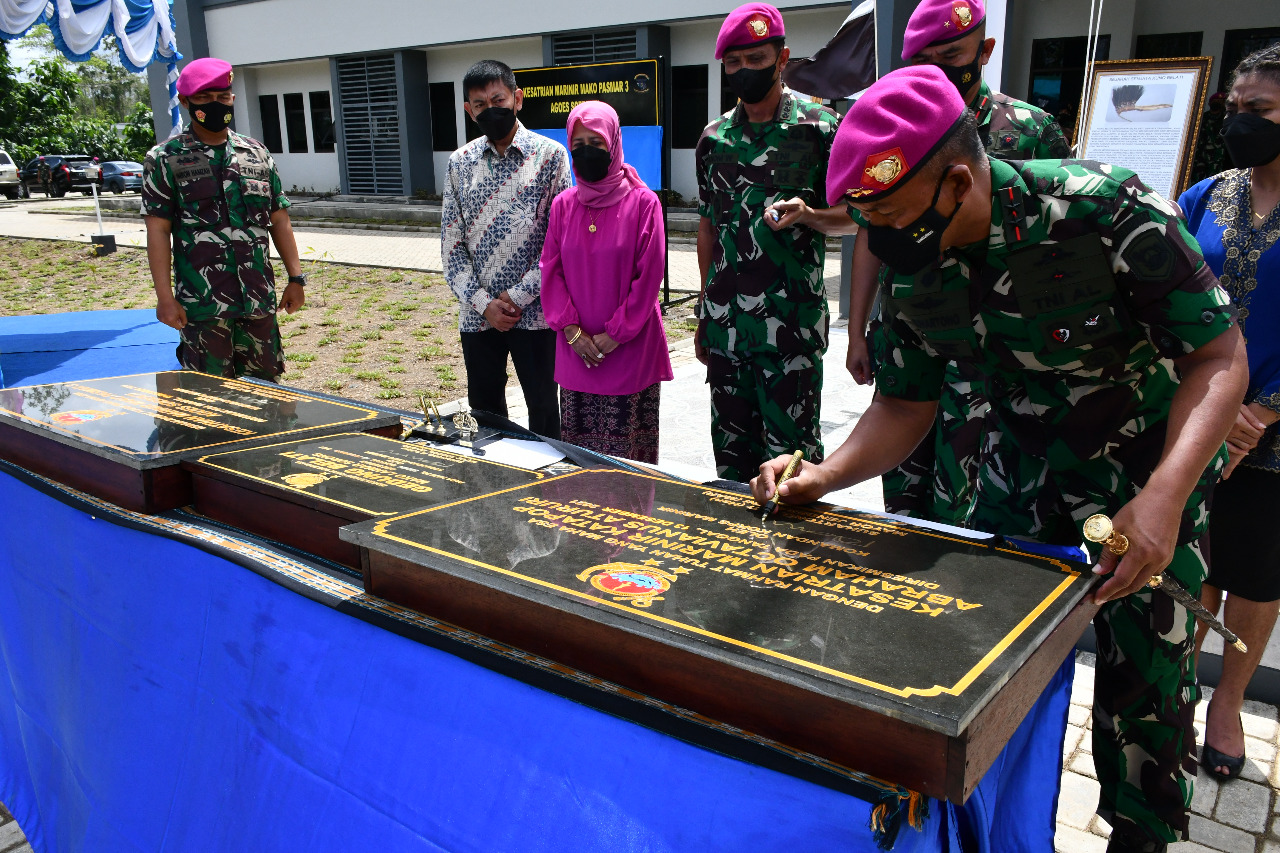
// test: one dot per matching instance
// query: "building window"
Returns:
(322, 136)
(689, 110)
(269, 108)
(1168, 45)
(583, 48)
(444, 117)
(295, 123)
(1057, 76)
(1240, 43)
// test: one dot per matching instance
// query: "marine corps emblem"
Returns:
(962, 14)
(759, 27)
(304, 480)
(884, 169)
(637, 585)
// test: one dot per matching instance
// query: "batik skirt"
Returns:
(625, 426)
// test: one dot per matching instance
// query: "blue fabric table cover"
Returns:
(157, 697)
(42, 348)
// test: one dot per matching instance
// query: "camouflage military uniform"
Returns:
(1067, 321)
(219, 201)
(1010, 130)
(764, 303)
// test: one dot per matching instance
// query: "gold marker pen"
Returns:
(787, 474)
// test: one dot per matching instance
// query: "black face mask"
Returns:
(496, 122)
(591, 164)
(214, 116)
(752, 85)
(1251, 140)
(963, 76)
(909, 250)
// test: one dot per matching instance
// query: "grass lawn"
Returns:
(366, 333)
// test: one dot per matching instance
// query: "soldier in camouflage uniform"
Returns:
(950, 34)
(210, 198)
(1112, 368)
(763, 313)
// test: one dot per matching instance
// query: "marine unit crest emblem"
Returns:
(635, 584)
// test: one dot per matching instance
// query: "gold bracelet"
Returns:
(576, 335)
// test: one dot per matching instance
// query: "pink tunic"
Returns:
(607, 281)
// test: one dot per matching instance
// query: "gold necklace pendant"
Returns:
(592, 226)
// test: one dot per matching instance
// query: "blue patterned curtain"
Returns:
(143, 31)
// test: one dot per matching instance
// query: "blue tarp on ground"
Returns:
(83, 345)
(156, 697)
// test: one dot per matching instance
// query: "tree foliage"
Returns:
(58, 107)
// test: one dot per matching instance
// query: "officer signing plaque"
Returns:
(903, 652)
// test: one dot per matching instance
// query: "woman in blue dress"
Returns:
(1235, 216)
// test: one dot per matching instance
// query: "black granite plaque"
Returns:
(153, 421)
(339, 479)
(642, 579)
(361, 475)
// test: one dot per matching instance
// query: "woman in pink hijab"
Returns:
(602, 264)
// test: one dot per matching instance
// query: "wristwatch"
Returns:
(298, 279)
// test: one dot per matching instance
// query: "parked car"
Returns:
(121, 176)
(9, 183)
(66, 173)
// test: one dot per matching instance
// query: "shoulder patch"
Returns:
(1150, 256)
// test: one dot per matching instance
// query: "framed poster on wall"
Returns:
(1144, 115)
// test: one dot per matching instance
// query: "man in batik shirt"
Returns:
(497, 203)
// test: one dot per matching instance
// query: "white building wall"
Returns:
(305, 171)
(1124, 21)
(250, 33)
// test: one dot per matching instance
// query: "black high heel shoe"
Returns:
(1211, 760)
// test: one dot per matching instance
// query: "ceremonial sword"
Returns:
(1098, 529)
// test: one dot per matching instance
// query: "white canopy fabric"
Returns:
(143, 30)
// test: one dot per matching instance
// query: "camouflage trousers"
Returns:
(940, 473)
(1145, 687)
(231, 347)
(762, 406)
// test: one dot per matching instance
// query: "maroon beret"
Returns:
(889, 132)
(201, 74)
(940, 21)
(748, 25)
